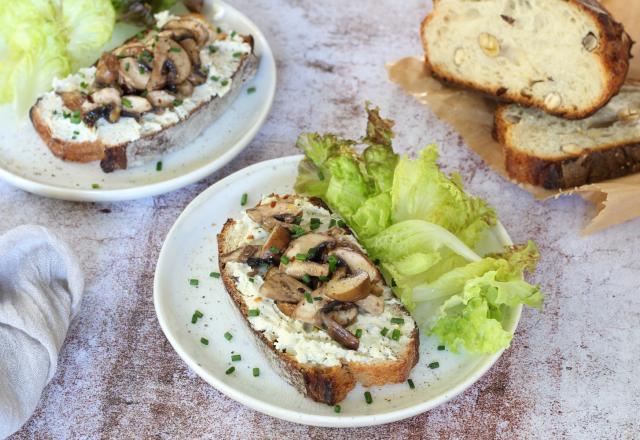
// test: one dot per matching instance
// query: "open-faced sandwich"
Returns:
(316, 305)
(156, 92)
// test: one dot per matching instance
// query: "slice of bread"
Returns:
(548, 151)
(137, 139)
(305, 356)
(566, 57)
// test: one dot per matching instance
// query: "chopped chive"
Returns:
(284, 259)
(196, 315)
(298, 231)
(320, 175)
(274, 250)
(317, 298)
(397, 321)
(256, 372)
(141, 70)
(301, 257)
(237, 54)
(175, 49)
(434, 365)
(236, 357)
(307, 296)
(230, 370)
(297, 219)
(411, 384)
(251, 90)
(194, 282)
(332, 222)
(323, 278)
(219, 30)
(214, 274)
(384, 331)
(159, 165)
(342, 224)
(95, 186)
(393, 283)
(84, 85)
(76, 132)
(243, 199)
(144, 93)
(228, 336)
(333, 262)
(177, 102)
(213, 49)
(306, 279)
(358, 333)
(126, 103)
(127, 65)
(395, 334)
(314, 223)
(76, 118)
(204, 341)
(441, 347)
(224, 82)
(337, 408)
(251, 279)
(233, 34)
(253, 312)
(367, 397)
(215, 78)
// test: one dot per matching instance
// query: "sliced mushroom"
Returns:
(184, 89)
(277, 241)
(160, 55)
(196, 77)
(133, 74)
(107, 69)
(371, 304)
(302, 244)
(134, 106)
(73, 100)
(192, 49)
(240, 255)
(108, 98)
(344, 313)
(298, 269)
(132, 49)
(178, 64)
(161, 99)
(281, 287)
(197, 29)
(352, 288)
(309, 312)
(356, 261)
(176, 34)
(287, 308)
(262, 213)
(340, 334)
(339, 273)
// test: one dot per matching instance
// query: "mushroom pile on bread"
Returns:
(323, 279)
(154, 70)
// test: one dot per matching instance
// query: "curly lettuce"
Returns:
(424, 231)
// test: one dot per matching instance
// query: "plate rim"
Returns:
(179, 181)
(273, 410)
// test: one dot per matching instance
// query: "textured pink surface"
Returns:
(571, 371)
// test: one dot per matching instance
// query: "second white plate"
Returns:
(189, 252)
(27, 163)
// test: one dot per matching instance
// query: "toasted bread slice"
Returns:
(318, 366)
(555, 153)
(139, 138)
(566, 57)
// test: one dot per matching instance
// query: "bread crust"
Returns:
(570, 171)
(615, 53)
(148, 147)
(328, 385)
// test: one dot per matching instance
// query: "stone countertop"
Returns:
(571, 370)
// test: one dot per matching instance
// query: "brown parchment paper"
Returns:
(471, 114)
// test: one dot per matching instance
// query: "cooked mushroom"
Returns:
(196, 77)
(107, 69)
(357, 261)
(161, 99)
(340, 334)
(178, 64)
(287, 308)
(176, 34)
(371, 304)
(344, 313)
(73, 100)
(184, 89)
(109, 99)
(281, 287)
(191, 48)
(134, 74)
(134, 106)
(276, 243)
(160, 55)
(132, 49)
(197, 29)
(351, 288)
(298, 269)
(240, 255)
(262, 213)
(309, 312)
(339, 273)
(302, 244)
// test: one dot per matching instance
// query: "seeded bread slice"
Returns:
(324, 384)
(554, 153)
(566, 57)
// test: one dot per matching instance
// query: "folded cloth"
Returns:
(41, 286)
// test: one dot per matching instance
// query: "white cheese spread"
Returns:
(289, 335)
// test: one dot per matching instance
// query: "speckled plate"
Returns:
(189, 252)
(27, 163)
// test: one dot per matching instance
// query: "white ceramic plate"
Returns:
(189, 252)
(27, 163)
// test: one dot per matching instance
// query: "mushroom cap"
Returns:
(298, 269)
(161, 98)
(133, 74)
(281, 287)
(302, 245)
(263, 212)
(349, 289)
(356, 261)
(278, 239)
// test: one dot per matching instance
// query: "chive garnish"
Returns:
(214, 274)
(306, 279)
(342, 224)
(333, 262)
(251, 279)
(237, 54)
(393, 283)
(213, 49)
(367, 397)
(243, 199)
(337, 408)
(253, 312)
(196, 315)
(434, 365)
(127, 65)
(323, 278)
(411, 384)
(256, 372)
(332, 222)
(144, 93)
(274, 250)
(76, 117)
(307, 296)
(228, 336)
(141, 70)
(317, 298)
(194, 282)
(298, 231)
(159, 165)
(215, 78)
(177, 102)
(441, 347)
(301, 257)
(224, 82)
(126, 103)
(95, 186)
(204, 341)
(284, 259)
(233, 34)
(314, 223)
(236, 357)
(219, 30)
(397, 321)
(384, 331)
(84, 85)
(230, 370)
(358, 333)
(175, 49)
(297, 219)
(395, 334)
(251, 90)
